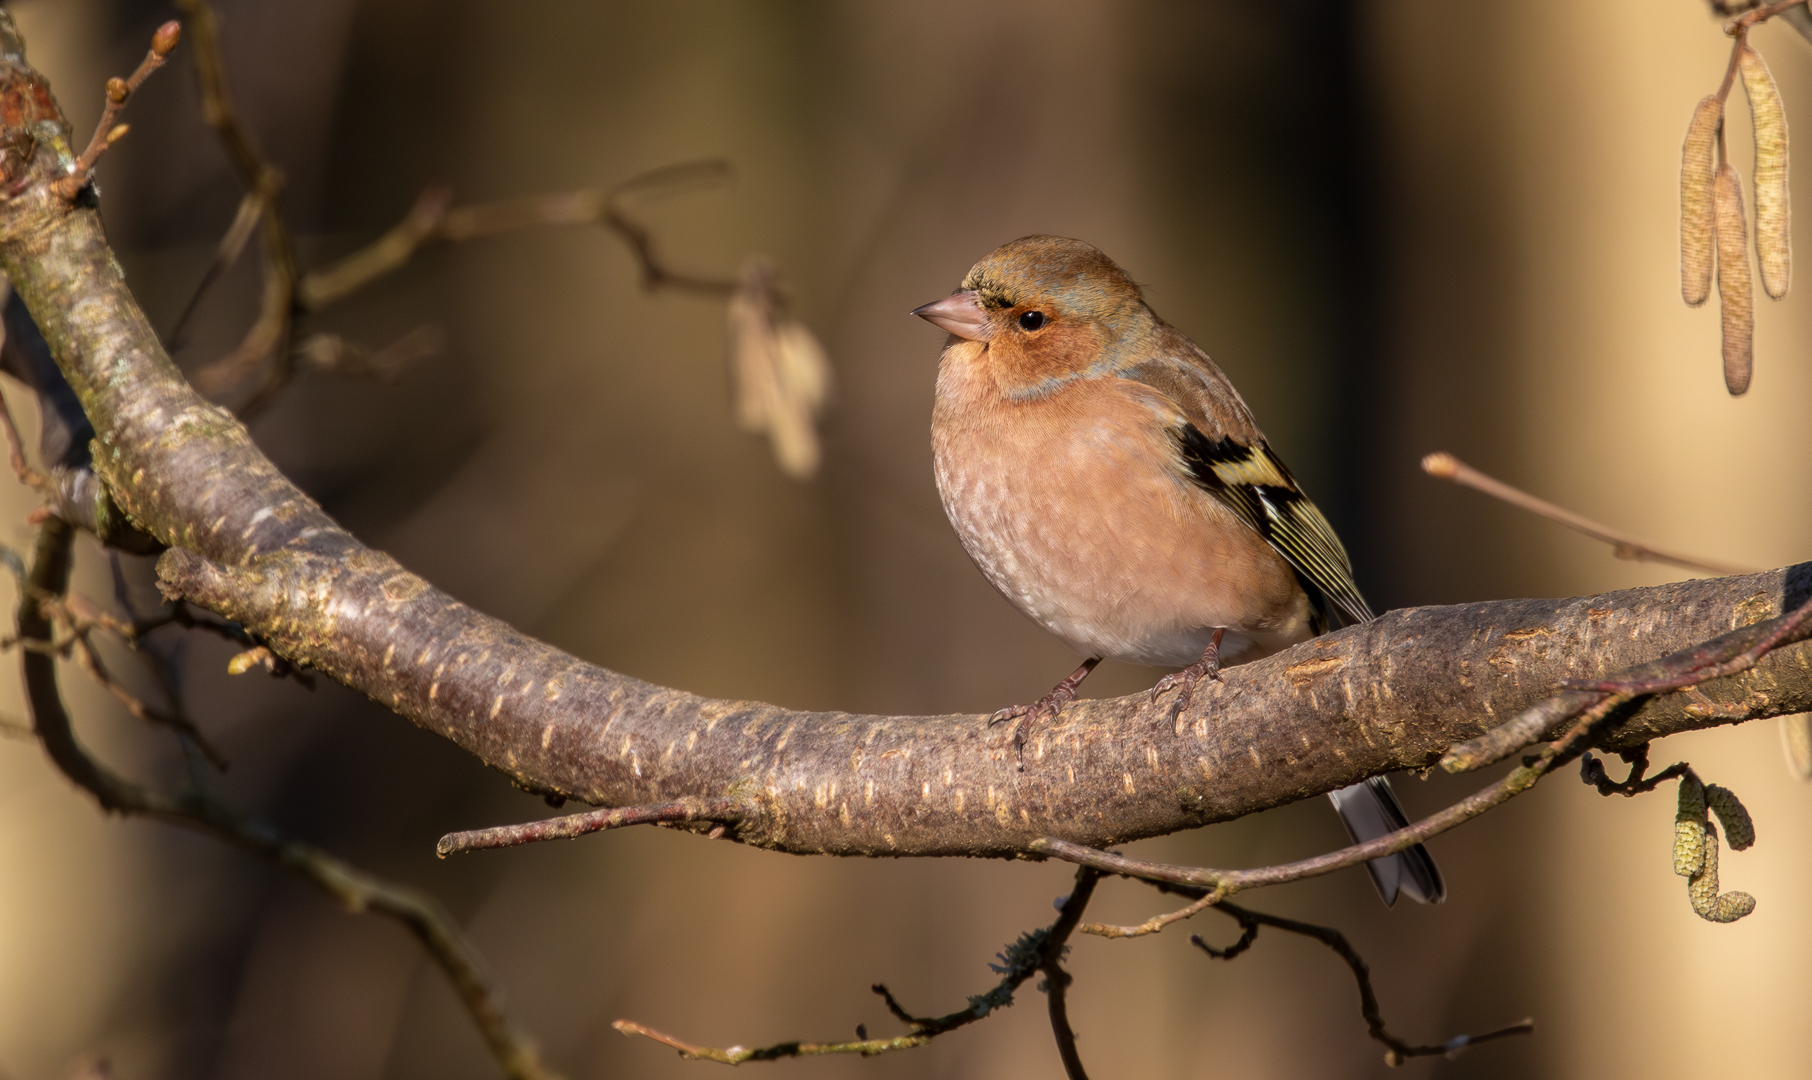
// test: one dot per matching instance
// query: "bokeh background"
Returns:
(1400, 225)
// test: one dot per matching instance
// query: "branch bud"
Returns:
(1441, 465)
(163, 43)
(117, 90)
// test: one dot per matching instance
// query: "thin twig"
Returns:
(1790, 627)
(1152, 925)
(433, 218)
(655, 274)
(1444, 466)
(1396, 1050)
(119, 91)
(269, 333)
(319, 288)
(91, 663)
(1591, 770)
(333, 353)
(1021, 960)
(26, 472)
(1056, 990)
(1742, 23)
(354, 888)
(232, 245)
(722, 811)
(1735, 651)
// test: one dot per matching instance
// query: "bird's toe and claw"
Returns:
(1184, 681)
(1045, 709)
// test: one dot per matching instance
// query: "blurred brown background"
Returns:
(1400, 225)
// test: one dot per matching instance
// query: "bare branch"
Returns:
(270, 332)
(1396, 1049)
(91, 663)
(717, 811)
(319, 288)
(1377, 698)
(1733, 652)
(1033, 952)
(1153, 925)
(23, 469)
(232, 244)
(332, 353)
(433, 217)
(1056, 992)
(1444, 466)
(355, 889)
(119, 91)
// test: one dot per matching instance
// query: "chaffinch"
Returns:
(1108, 480)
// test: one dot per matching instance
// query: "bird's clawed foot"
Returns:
(1048, 706)
(1209, 667)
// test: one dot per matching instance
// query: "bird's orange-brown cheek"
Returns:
(1025, 363)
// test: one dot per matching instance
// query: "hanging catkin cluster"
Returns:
(1696, 847)
(1713, 222)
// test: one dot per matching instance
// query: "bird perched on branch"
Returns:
(1108, 480)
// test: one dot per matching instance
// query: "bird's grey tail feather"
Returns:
(1370, 810)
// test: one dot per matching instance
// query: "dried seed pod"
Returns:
(1695, 200)
(1702, 890)
(780, 372)
(1689, 828)
(1735, 293)
(1773, 211)
(1739, 827)
(1796, 744)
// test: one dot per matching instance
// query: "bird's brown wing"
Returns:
(1226, 455)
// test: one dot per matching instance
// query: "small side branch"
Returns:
(1036, 951)
(722, 811)
(353, 888)
(1726, 654)
(1396, 1050)
(434, 218)
(270, 332)
(1444, 466)
(119, 91)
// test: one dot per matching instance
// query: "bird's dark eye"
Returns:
(1031, 320)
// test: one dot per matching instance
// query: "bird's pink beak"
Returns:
(960, 314)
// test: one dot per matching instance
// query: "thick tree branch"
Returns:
(357, 890)
(247, 543)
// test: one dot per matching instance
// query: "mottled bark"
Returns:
(247, 543)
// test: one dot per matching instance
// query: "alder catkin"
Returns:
(1689, 828)
(1695, 201)
(1773, 211)
(1739, 827)
(1702, 890)
(1736, 295)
